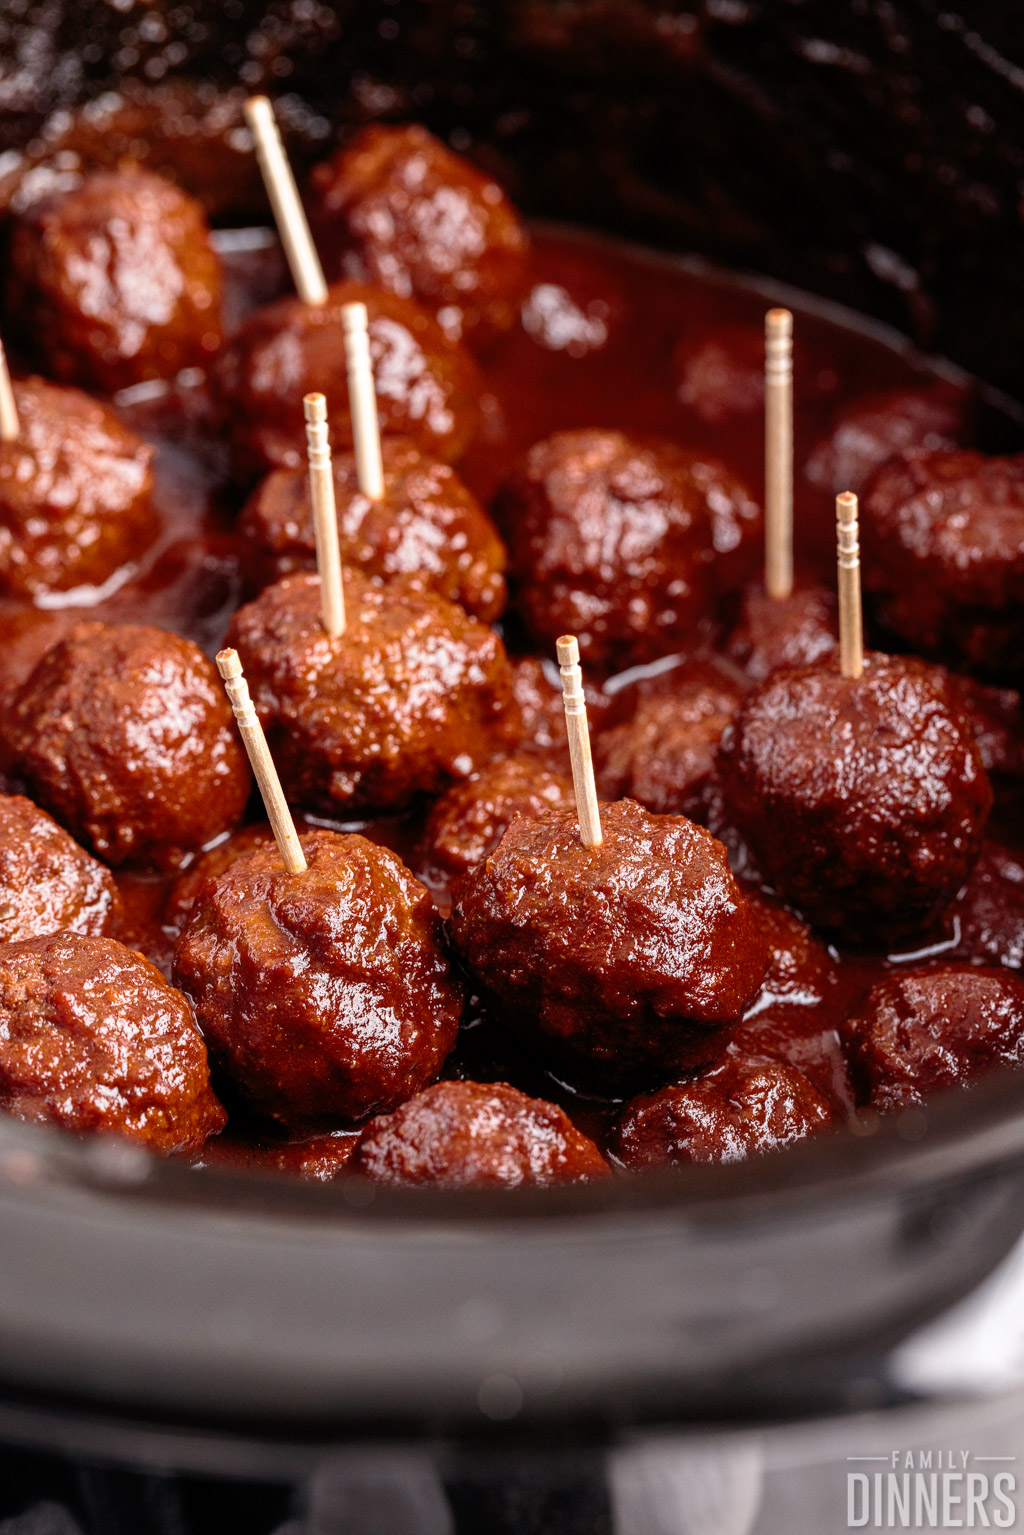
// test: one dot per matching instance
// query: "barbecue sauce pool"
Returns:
(605, 328)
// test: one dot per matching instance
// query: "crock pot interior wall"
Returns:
(872, 151)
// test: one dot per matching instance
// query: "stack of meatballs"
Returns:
(806, 905)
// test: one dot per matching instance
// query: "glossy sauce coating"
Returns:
(397, 209)
(124, 734)
(427, 527)
(324, 997)
(869, 431)
(115, 281)
(75, 493)
(783, 631)
(863, 800)
(414, 694)
(477, 1135)
(634, 954)
(49, 884)
(92, 1038)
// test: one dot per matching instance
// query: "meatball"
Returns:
(92, 1038)
(26, 634)
(314, 1158)
(633, 954)
(470, 820)
(997, 724)
(398, 209)
(745, 1106)
(75, 493)
(48, 884)
(181, 897)
(114, 280)
(665, 754)
(805, 1039)
(921, 1030)
(867, 433)
(427, 386)
(477, 1135)
(412, 695)
(986, 922)
(801, 971)
(322, 996)
(427, 526)
(124, 734)
(943, 536)
(783, 631)
(863, 800)
(621, 543)
(537, 690)
(721, 374)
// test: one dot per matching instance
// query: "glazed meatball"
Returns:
(721, 374)
(413, 695)
(634, 954)
(997, 725)
(805, 1039)
(322, 996)
(470, 820)
(125, 736)
(943, 536)
(26, 634)
(869, 432)
(427, 386)
(864, 800)
(313, 1158)
(48, 884)
(743, 1107)
(398, 209)
(801, 970)
(427, 526)
(181, 897)
(921, 1030)
(665, 753)
(986, 922)
(115, 280)
(92, 1038)
(537, 690)
(75, 489)
(783, 631)
(621, 543)
(477, 1135)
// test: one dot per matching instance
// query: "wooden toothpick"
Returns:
(851, 637)
(575, 705)
(325, 515)
(255, 743)
(362, 398)
(778, 452)
(10, 426)
(307, 273)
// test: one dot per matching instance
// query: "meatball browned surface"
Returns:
(326, 995)
(620, 542)
(745, 1106)
(427, 386)
(48, 884)
(75, 490)
(783, 631)
(26, 634)
(943, 536)
(804, 1038)
(634, 954)
(863, 800)
(801, 970)
(427, 527)
(922, 1030)
(477, 1135)
(181, 897)
(115, 280)
(413, 695)
(92, 1038)
(867, 433)
(398, 209)
(124, 734)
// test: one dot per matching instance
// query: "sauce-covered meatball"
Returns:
(622, 543)
(863, 800)
(115, 280)
(783, 631)
(123, 733)
(537, 691)
(866, 434)
(918, 1031)
(326, 995)
(75, 488)
(943, 536)
(633, 954)
(477, 1135)
(801, 970)
(427, 526)
(427, 386)
(26, 634)
(398, 209)
(92, 1038)
(743, 1107)
(413, 695)
(313, 1158)
(48, 884)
